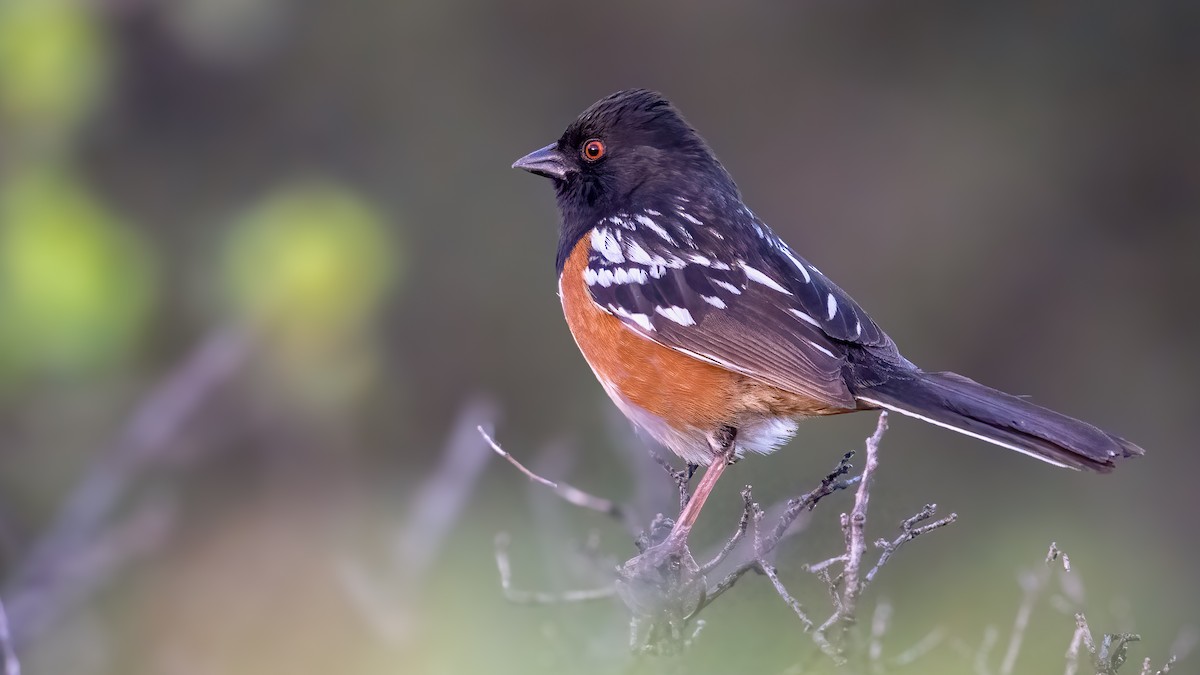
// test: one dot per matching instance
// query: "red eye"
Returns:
(593, 150)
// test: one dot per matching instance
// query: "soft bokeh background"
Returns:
(257, 257)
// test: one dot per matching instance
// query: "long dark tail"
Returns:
(955, 402)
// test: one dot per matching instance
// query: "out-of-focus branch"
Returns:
(434, 508)
(539, 597)
(437, 504)
(52, 578)
(7, 653)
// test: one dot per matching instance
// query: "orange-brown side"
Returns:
(680, 389)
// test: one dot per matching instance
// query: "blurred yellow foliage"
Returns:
(312, 260)
(54, 59)
(75, 282)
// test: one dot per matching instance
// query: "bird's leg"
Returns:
(723, 456)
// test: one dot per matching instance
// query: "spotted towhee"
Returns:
(711, 334)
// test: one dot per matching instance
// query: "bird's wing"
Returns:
(734, 295)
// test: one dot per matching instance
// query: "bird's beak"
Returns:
(547, 161)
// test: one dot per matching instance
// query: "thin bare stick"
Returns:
(808, 501)
(747, 508)
(11, 665)
(569, 493)
(1073, 651)
(791, 511)
(769, 571)
(910, 532)
(853, 528)
(1085, 633)
(858, 521)
(681, 477)
(539, 597)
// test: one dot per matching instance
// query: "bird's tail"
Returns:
(963, 405)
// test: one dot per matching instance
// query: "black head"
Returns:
(629, 150)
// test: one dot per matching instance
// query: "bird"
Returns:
(712, 335)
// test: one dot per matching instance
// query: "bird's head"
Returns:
(627, 151)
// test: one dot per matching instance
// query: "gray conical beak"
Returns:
(547, 161)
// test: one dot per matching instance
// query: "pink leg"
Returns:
(691, 512)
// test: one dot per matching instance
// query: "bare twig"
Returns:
(769, 571)
(853, 526)
(791, 511)
(539, 597)
(665, 589)
(910, 532)
(1073, 649)
(808, 501)
(748, 508)
(681, 477)
(569, 493)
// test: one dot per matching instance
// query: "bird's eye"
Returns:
(593, 150)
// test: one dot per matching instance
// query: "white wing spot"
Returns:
(805, 317)
(640, 319)
(689, 217)
(821, 349)
(728, 286)
(679, 315)
(605, 243)
(620, 221)
(760, 278)
(638, 255)
(857, 328)
(658, 229)
(831, 305)
(795, 261)
(714, 301)
(653, 212)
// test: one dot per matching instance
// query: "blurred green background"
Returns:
(256, 256)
